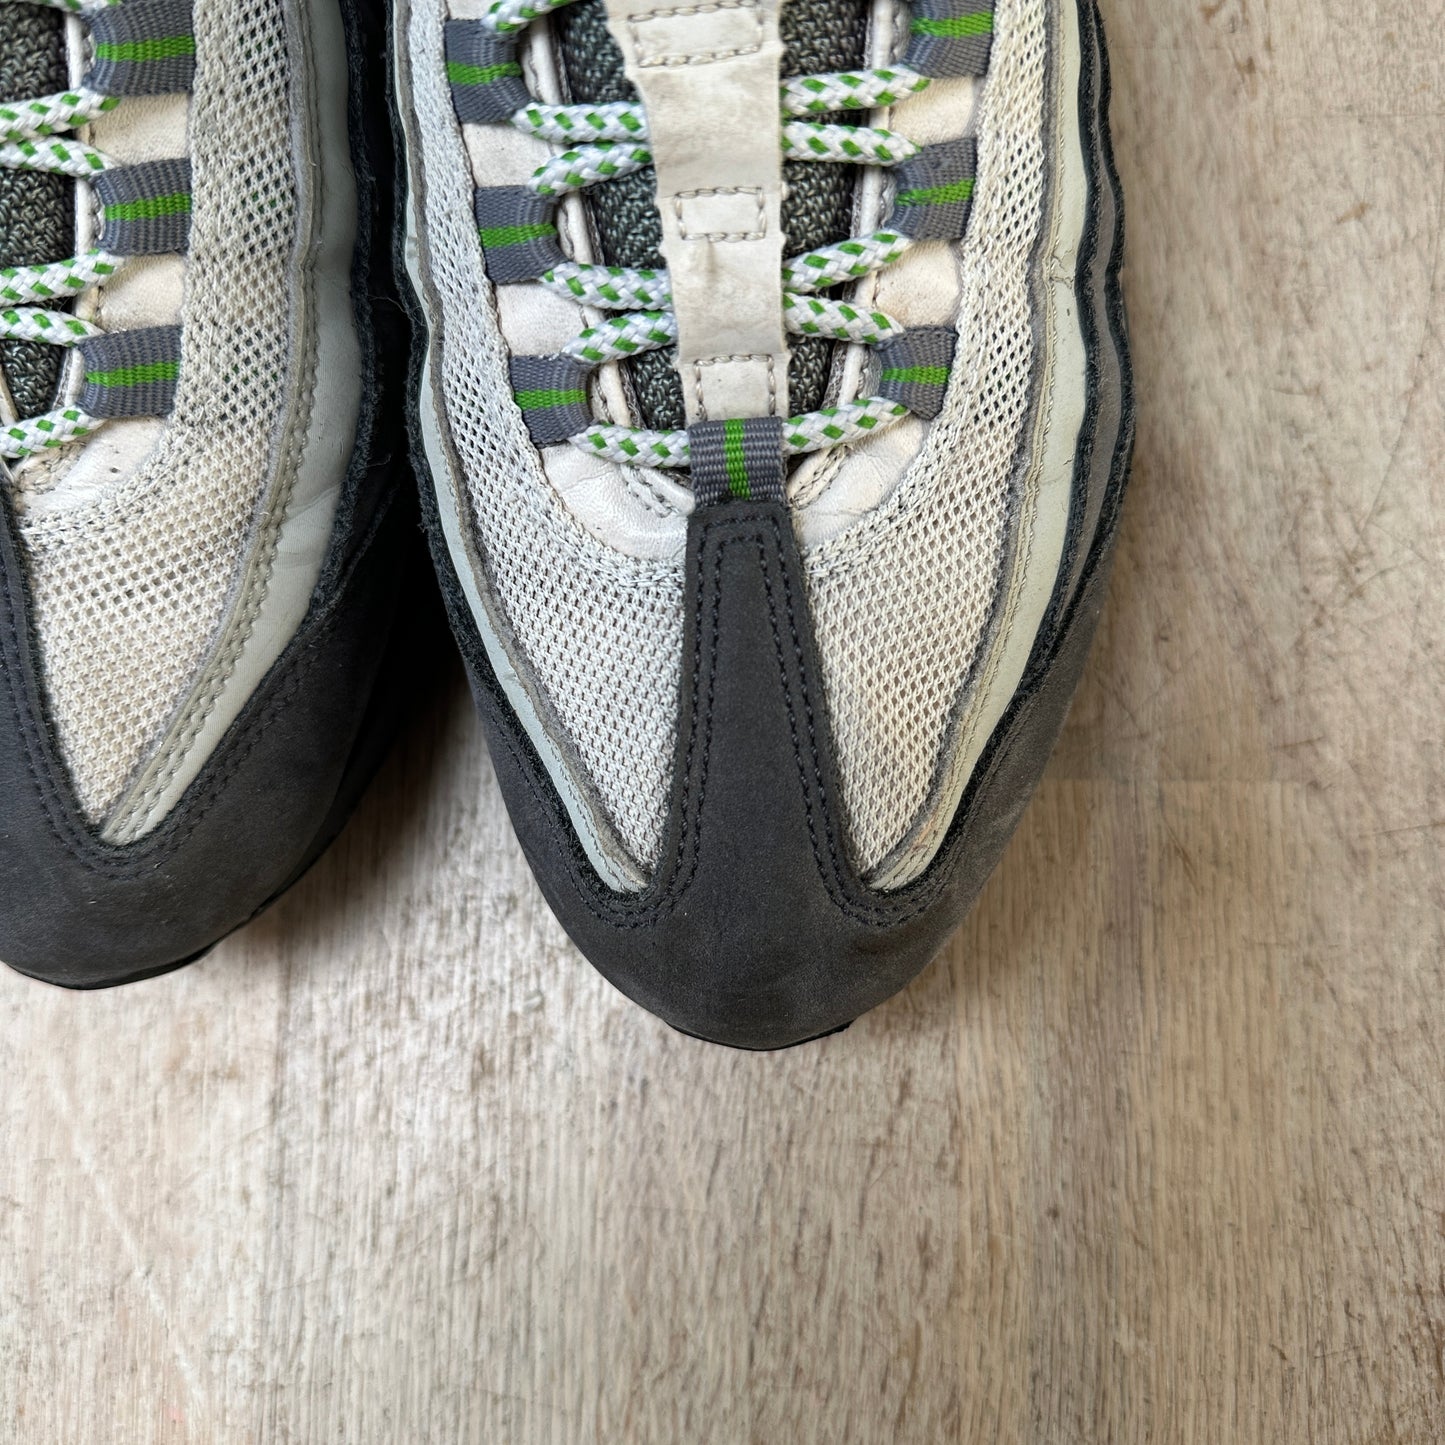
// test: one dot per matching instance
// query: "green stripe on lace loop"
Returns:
(551, 392)
(935, 191)
(950, 37)
(733, 459)
(518, 232)
(932, 198)
(956, 28)
(131, 373)
(149, 208)
(924, 375)
(459, 73)
(146, 208)
(144, 52)
(536, 400)
(135, 375)
(484, 73)
(515, 235)
(144, 47)
(945, 195)
(915, 367)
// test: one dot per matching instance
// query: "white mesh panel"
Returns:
(902, 601)
(599, 632)
(130, 588)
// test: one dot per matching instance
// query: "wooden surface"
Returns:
(1154, 1153)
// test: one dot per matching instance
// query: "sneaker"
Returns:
(776, 455)
(199, 523)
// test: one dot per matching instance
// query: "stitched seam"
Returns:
(256, 578)
(792, 715)
(678, 59)
(621, 913)
(690, 812)
(758, 232)
(875, 916)
(697, 377)
(642, 913)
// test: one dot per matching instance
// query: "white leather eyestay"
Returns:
(720, 199)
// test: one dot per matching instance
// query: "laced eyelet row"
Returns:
(932, 195)
(144, 47)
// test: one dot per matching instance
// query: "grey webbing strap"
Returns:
(737, 460)
(483, 72)
(518, 231)
(146, 208)
(950, 37)
(131, 373)
(915, 368)
(144, 47)
(935, 192)
(552, 393)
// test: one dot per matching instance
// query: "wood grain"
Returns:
(1154, 1153)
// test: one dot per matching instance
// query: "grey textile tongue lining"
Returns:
(37, 212)
(820, 35)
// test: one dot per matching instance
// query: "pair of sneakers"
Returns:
(764, 371)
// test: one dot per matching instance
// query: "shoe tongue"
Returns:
(818, 35)
(37, 212)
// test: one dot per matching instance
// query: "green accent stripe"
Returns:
(460, 73)
(150, 208)
(735, 462)
(515, 235)
(924, 375)
(138, 375)
(939, 195)
(538, 400)
(166, 47)
(961, 27)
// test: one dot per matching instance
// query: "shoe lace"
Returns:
(33, 137)
(609, 140)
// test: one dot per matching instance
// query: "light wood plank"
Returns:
(1152, 1154)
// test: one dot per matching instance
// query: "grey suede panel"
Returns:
(79, 911)
(36, 211)
(820, 35)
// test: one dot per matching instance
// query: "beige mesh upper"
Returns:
(131, 583)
